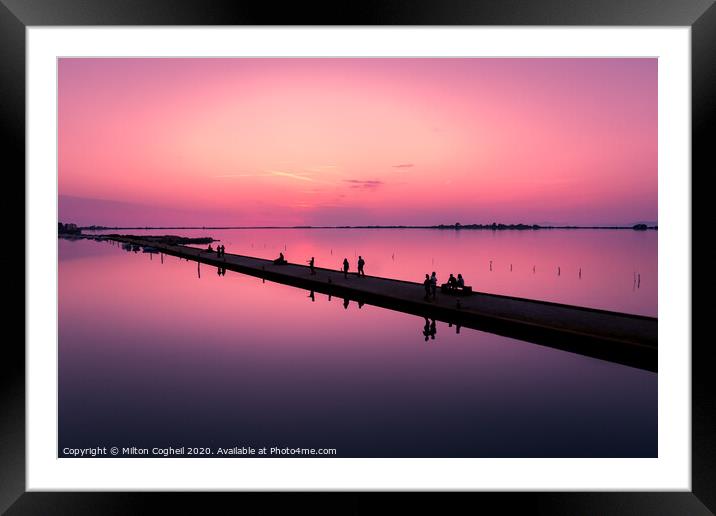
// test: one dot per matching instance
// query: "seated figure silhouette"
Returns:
(280, 260)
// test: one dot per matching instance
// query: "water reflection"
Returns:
(158, 362)
(429, 330)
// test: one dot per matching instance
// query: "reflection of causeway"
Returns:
(616, 337)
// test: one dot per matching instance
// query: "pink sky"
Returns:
(357, 141)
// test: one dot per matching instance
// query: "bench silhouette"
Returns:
(458, 291)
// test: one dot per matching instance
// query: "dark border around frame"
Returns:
(16, 15)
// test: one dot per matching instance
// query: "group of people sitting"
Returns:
(453, 286)
(454, 283)
(220, 250)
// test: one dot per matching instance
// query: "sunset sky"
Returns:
(357, 141)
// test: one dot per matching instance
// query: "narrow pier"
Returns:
(617, 337)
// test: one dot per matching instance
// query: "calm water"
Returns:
(618, 267)
(158, 354)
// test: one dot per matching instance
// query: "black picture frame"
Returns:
(17, 15)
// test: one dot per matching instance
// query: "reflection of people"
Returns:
(360, 304)
(433, 330)
(361, 264)
(280, 260)
(345, 267)
(312, 296)
(345, 303)
(426, 329)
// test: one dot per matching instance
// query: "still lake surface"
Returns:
(159, 352)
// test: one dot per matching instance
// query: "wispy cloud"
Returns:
(364, 185)
(299, 176)
(243, 175)
(291, 175)
(404, 165)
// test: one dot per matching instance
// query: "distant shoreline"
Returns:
(491, 227)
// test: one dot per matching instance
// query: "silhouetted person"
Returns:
(345, 267)
(433, 284)
(361, 264)
(280, 260)
(460, 281)
(426, 284)
(452, 282)
(209, 249)
(311, 265)
(345, 303)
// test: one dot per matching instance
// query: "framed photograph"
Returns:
(437, 249)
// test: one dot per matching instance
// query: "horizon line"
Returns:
(391, 226)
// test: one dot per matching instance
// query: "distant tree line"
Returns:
(495, 226)
(68, 229)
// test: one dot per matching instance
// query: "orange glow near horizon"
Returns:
(357, 141)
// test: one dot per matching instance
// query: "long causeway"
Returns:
(618, 337)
